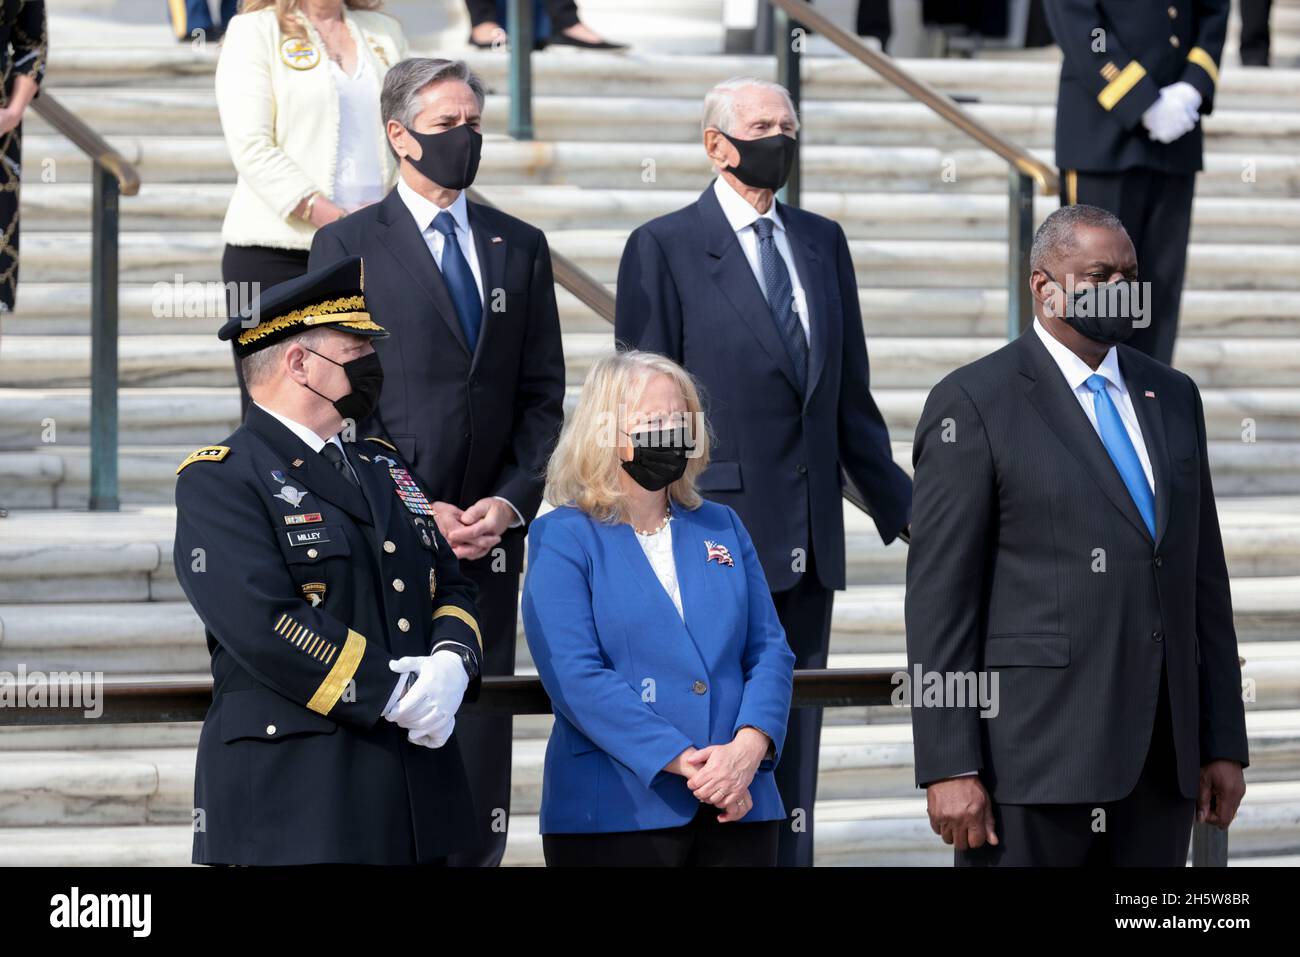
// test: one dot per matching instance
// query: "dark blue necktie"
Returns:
(1116, 439)
(780, 299)
(460, 280)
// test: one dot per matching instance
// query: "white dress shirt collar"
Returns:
(308, 436)
(1075, 370)
(737, 209)
(423, 211)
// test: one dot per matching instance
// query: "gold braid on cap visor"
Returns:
(348, 312)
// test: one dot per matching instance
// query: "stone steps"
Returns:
(190, 112)
(863, 215)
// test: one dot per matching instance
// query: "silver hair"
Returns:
(259, 366)
(720, 102)
(1057, 233)
(400, 98)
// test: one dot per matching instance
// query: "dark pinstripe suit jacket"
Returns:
(1029, 559)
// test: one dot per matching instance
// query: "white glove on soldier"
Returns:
(1188, 95)
(1168, 117)
(439, 686)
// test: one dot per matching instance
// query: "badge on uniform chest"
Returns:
(412, 497)
(307, 536)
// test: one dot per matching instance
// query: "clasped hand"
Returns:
(427, 710)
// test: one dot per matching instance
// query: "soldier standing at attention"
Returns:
(1136, 79)
(343, 635)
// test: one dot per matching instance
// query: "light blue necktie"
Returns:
(460, 280)
(780, 299)
(1115, 437)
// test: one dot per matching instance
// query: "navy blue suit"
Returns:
(632, 684)
(685, 289)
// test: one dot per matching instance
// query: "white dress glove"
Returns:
(429, 706)
(1188, 95)
(1169, 117)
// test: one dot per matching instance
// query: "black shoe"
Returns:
(490, 44)
(564, 40)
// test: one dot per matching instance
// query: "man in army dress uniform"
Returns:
(343, 635)
(1135, 81)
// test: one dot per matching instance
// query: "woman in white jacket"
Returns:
(298, 85)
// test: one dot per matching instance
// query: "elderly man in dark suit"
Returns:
(475, 369)
(1066, 584)
(758, 300)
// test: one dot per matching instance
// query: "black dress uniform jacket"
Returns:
(1118, 54)
(1015, 494)
(308, 587)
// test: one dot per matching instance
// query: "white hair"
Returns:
(720, 102)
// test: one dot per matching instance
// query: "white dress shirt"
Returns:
(741, 217)
(658, 550)
(1076, 374)
(424, 212)
(359, 173)
(308, 436)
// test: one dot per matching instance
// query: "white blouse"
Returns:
(658, 549)
(358, 174)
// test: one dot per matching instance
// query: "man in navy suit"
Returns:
(758, 300)
(474, 367)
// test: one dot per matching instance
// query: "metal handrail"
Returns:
(111, 177)
(153, 700)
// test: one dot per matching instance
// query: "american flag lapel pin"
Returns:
(717, 553)
(497, 239)
(1149, 394)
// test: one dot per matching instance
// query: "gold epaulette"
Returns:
(384, 442)
(213, 453)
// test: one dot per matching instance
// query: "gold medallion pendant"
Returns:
(299, 53)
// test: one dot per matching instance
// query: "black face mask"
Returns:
(658, 458)
(764, 163)
(449, 158)
(366, 376)
(1089, 311)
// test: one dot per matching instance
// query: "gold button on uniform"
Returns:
(399, 585)
(1173, 41)
(270, 729)
(390, 547)
(312, 553)
(699, 687)
(403, 625)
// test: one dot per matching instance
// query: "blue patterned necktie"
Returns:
(780, 298)
(460, 280)
(1116, 439)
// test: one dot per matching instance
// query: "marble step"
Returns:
(58, 475)
(189, 112)
(683, 76)
(156, 785)
(889, 263)
(622, 165)
(42, 362)
(194, 416)
(881, 832)
(63, 308)
(864, 215)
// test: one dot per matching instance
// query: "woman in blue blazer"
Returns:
(653, 630)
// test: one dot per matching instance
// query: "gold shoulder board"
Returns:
(384, 442)
(213, 453)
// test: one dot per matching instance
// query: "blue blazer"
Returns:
(631, 684)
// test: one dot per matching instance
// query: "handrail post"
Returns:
(519, 22)
(1020, 238)
(103, 341)
(1209, 846)
(787, 45)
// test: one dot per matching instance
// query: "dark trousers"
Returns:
(1151, 827)
(562, 13)
(1156, 209)
(241, 267)
(805, 613)
(1254, 32)
(485, 740)
(701, 843)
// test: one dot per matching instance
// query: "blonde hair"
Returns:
(585, 467)
(290, 25)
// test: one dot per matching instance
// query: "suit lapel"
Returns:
(1151, 418)
(731, 272)
(491, 248)
(688, 556)
(312, 471)
(397, 231)
(809, 267)
(1060, 409)
(376, 484)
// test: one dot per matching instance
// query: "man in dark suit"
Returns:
(1135, 80)
(1066, 563)
(474, 365)
(324, 589)
(758, 300)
